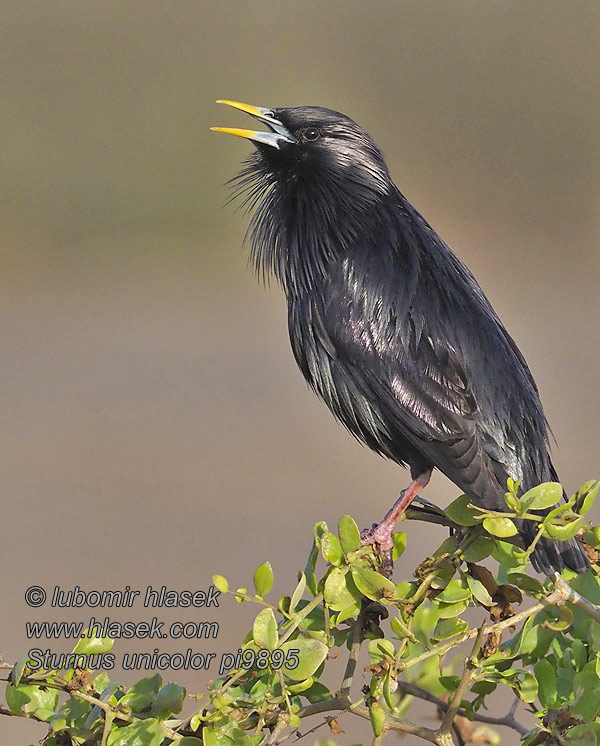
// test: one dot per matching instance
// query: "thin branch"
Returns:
(508, 720)
(391, 723)
(283, 720)
(554, 598)
(415, 513)
(109, 711)
(357, 630)
(30, 715)
(327, 721)
(299, 617)
(576, 599)
(471, 665)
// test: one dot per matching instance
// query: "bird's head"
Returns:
(311, 144)
(314, 181)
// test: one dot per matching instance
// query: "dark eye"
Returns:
(311, 134)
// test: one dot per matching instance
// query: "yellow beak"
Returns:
(278, 135)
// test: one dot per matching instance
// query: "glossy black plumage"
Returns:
(386, 323)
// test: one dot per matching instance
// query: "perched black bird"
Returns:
(386, 323)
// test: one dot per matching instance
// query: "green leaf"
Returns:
(460, 512)
(141, 695)
(401, 629)
(389, 683)
(349, 534)
(526, 583)
(220, 583)
(169, 701)
(446, 611)
(524, 683)
(591, 536)
(585, 497)
(448, 546)
(449, 682)
(372, 584)
(380, 649)
(101, 681)
(480, 592)
(28, 699)
(478, 549)
(335, 586)
(377, 718)
(301, 686)
(508, 555)
(446, 628)
(484, 687)
(317, 693)
(93, 645)
(216, 737)
(546, 676)
(512, 501)
(405, 590)
(298, 592)
(311, 563)
(332, 549)
(17, 672)
(399, 539)
(311, 653)
(541, 497)
(579, 653)
(563, 532)
(586, 734)
(510, 648)
(142, 733)
(586, 683)
(264, 630)
(190, 740)
(501, 527)
(536, 642)
(453, 592)
(263, 579)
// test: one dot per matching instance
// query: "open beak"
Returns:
(278, 134)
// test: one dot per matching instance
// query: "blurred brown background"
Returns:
(155, 428)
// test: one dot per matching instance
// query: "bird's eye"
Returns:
(311, 134)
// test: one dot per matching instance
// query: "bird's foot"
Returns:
(380, 534)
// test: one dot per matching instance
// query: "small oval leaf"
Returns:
(331, 549)
(453, 592)
(399, 540)
(479, 549)
(562, 532)
(541, 497)
(335, 585)
(349, 534)
(480, 592)
(220, 583)
(546, 676)
(303, 657)
(372, 584)
(264, 630)
(263, 579)
(501, 527)
(460, 512)
(298, 592)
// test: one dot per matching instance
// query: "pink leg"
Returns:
(381, 533)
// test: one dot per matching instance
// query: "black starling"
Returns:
(387, 325)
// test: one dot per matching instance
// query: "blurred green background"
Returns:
(155, 428)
